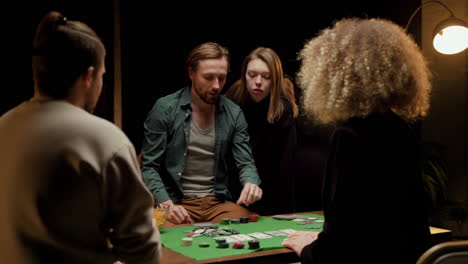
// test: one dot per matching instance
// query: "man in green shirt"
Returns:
(194, 139)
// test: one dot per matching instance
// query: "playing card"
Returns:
(287, 231)
(290, 217)
(204, 224)
(276, 233)
(259, 235)
(229, 239)
(242, 237)
(314, 227)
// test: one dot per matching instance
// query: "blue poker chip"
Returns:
(254, 244)
(223, 245)
(220, 240)
(244, 220)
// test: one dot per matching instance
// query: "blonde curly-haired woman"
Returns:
(368, 78)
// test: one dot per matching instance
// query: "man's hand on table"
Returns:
(177, 214)
(298, 240)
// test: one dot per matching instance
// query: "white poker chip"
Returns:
(187, 241)
(320, 221)
(298, 220)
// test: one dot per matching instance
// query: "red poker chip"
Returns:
(238, 245)
(253, 218)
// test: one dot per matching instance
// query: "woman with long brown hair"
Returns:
(268, 102)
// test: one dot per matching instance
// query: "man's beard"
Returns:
(205, 98)
(90, 102)
(89, 107)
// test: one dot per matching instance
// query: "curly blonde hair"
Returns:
(361, 66)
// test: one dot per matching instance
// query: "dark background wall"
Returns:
(156, 39)
(162, 44)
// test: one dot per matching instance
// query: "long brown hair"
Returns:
(281, 87)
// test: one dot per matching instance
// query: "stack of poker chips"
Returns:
(204, 244)
(238, 245)
(253, 218)
(254, 244)
(187, 241)
(235, 221)
(224, 221)
(244, 220)
(221, 242)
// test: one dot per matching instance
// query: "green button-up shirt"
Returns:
(167, 133)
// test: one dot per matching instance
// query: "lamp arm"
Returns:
(419, 8)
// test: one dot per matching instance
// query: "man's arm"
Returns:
(129, 207)
(245, 164)
(153, 148)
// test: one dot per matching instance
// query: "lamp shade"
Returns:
(451, 36)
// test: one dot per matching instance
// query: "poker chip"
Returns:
(235, 221)
(224, 221)
(220, 240)
(238, 245)
(254, 244)
(223, 245)
(244, 220)
(253, 218)
(204, 244)
(187, 241)
(320, 221)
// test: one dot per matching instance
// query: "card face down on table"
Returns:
(290, 217)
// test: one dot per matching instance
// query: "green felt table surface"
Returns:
(172, 237)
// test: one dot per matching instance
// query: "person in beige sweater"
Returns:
(70, 187)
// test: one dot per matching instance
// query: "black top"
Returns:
(373, 195)
(272, 147)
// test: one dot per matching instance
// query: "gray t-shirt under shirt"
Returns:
(197, 178)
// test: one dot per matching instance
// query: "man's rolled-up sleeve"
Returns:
(242, 153)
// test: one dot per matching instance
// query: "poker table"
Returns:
(270, 248)
(270, 251)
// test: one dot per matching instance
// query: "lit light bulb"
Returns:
(451, 40)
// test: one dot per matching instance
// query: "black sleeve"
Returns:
(340, 196)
